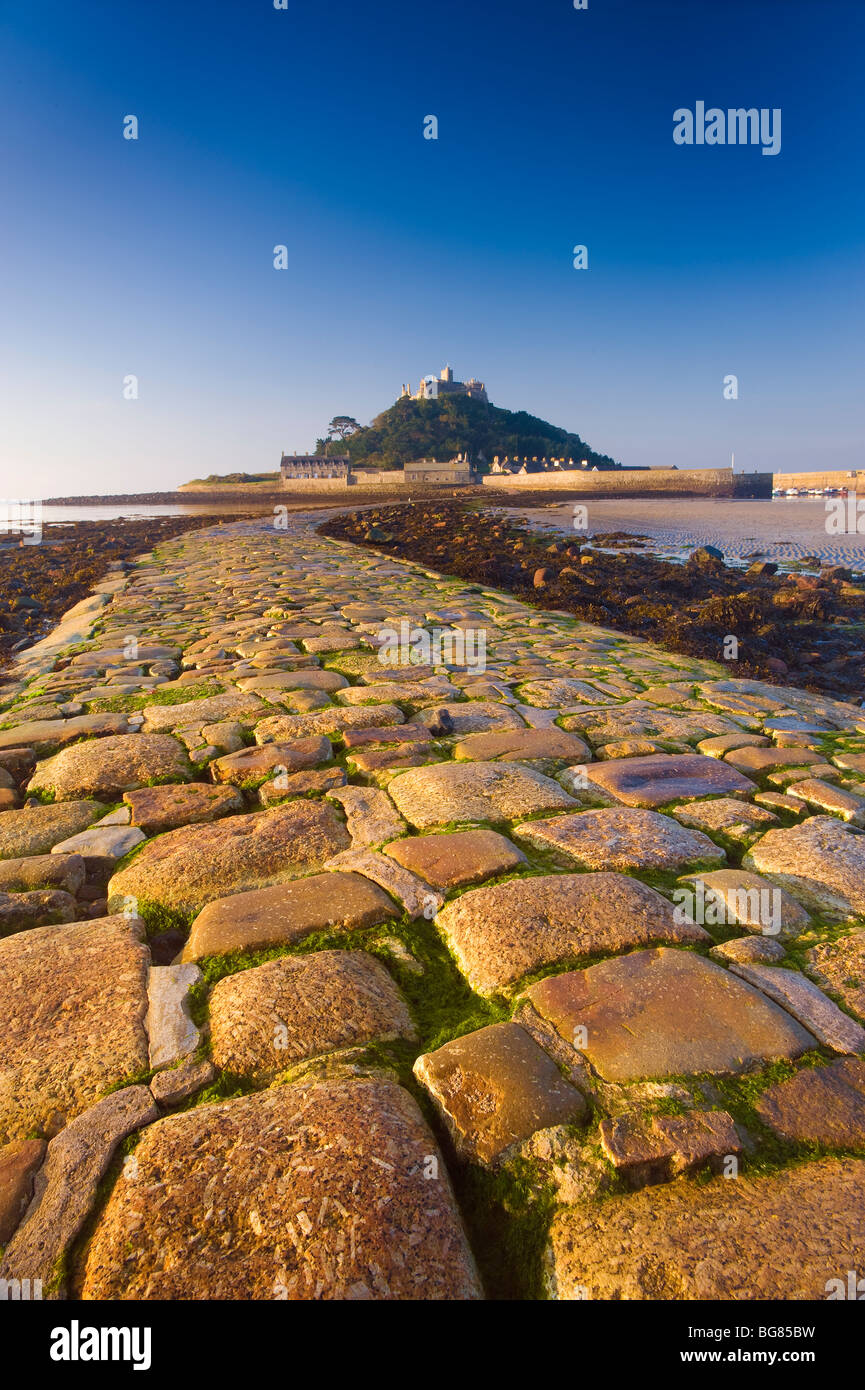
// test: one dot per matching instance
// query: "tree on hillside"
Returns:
(342, 427)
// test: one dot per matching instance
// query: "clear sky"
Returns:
(304, 127)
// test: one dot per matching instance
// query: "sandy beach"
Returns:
(781, 529)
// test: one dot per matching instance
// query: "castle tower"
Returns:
(447, 373)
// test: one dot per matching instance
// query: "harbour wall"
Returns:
(682, 482)
(852, 479)
(703, 482)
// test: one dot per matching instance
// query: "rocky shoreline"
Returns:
(802, 629)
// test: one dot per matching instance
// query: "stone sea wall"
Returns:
(391, 480)
(699, 482)
(852, 479)
(703, 482)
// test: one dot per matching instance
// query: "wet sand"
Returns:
(779, 529)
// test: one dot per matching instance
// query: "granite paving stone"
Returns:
(839, 966)
(38, 908)
(548, 746)
(73, 1001)
(651, 1149)
(35, 830)
(171, 1032)
(471, 716)
(183, 869)
(727, 817)
(664, 1013)
(370, 816)
(819, 1105)
(807, 1003)
(105, 841)
(156, 809)
(456, 860)
(784, 1236)
(738, 897)
(619, 839)
(821, 863)
(107, 767)
(19, 1164)
(662, 778)
(748, 948)
(417, 898)
(264, 1020)
(287, 912)
(759, 761)
(481, 791)
(834, 800)
(246, 708)
(496, 1087)
(318, 1190)
(46, 736)
(501, 933)
(65, 1186)
(281, 728)
(61, 871)
(248, 766)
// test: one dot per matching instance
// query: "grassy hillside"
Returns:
(455, 424)
(237, 478)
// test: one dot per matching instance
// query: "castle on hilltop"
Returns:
(431, 387)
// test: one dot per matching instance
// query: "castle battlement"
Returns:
(431, 387)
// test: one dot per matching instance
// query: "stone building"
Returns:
(507, 464)
(294, 466)
(457, 472)
(431, 387)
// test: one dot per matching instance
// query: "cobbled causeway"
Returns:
(328, 974)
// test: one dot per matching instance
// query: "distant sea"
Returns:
(113, 511)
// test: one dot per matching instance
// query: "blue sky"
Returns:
(304, 127)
